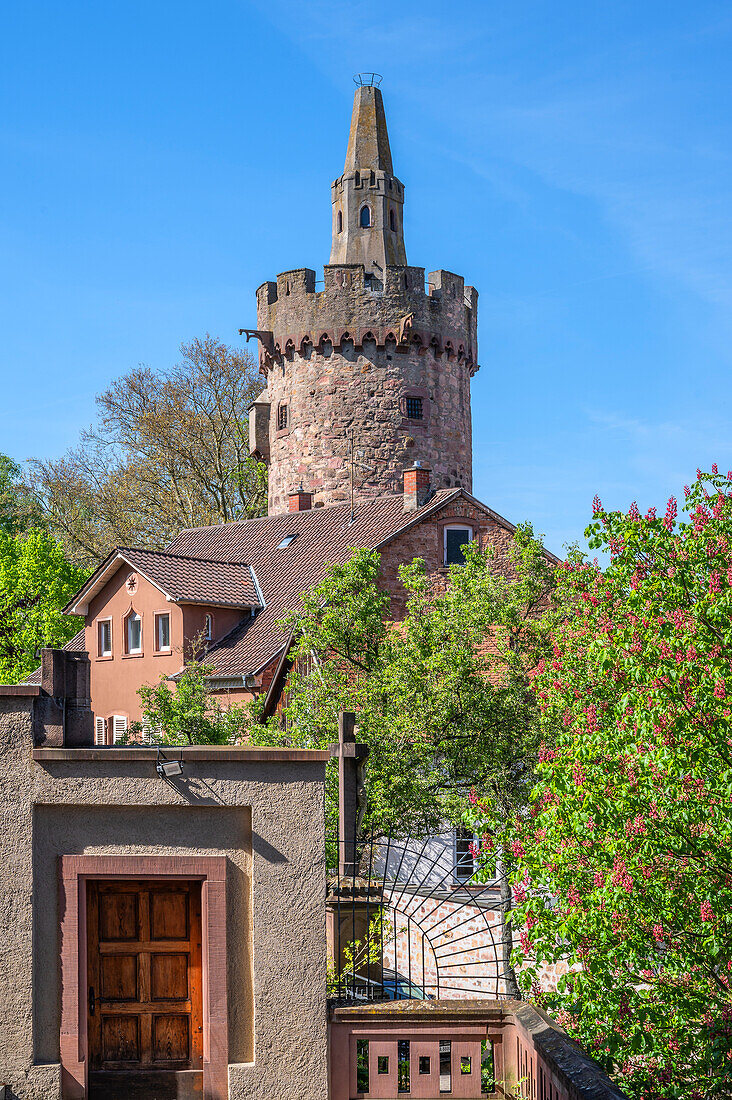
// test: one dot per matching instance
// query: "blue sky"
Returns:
(571, 160)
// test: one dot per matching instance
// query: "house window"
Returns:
(207, 628)
(455, 539)
(287, 541)
(281, 418)
(382, 1063)
(119, 728)
(162, 631)
(104, 638)
(415, 410)
(100, 731)
(464, 859)
(133, 633)
(365, 218)
(424, 1063)
(466, 1065)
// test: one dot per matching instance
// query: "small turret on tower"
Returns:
(368, 199)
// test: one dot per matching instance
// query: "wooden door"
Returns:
(144, 976)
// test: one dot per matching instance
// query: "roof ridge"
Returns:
(282, 515)
(184, 557)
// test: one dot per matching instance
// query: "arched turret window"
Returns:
(340, 222)
(365, 217)
(392, 221)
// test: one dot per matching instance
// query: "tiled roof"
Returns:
(74, 645)
(204, 579)
(196, 579)
(324, 536)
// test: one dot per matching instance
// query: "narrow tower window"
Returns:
(340, 222)
(392, 221)
(414, 408)
(365, 218)
(282, 418)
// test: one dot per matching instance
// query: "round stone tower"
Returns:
(372, 372)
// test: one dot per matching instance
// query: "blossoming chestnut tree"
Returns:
(623, 865)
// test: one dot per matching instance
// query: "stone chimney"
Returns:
(300, 501)
(417, 490)
(63, 713)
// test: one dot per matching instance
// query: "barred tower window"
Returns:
(414, 408)
(365, 218)
(281, 418)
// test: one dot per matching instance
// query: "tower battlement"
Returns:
(369, 370)
(437, 314)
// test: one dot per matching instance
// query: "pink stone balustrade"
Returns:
(532, 1057)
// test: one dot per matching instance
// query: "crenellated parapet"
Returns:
(436, 315)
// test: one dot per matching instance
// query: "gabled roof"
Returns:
(325, 536)
(181, 578)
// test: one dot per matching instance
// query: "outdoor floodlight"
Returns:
(168, 769)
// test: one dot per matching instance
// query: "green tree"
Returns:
(624, 866)
(186, 713)
(18, 508)
(442, 698)
(36, 581)
(170, 449)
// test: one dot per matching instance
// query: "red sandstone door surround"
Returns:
(143, 945)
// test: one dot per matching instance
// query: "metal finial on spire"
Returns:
(368, 80)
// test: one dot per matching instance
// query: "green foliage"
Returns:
(18, 508)
(36, 581)
(185, 713)
(624, 867)
(440, 710)
(360, 955)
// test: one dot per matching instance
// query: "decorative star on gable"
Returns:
(131, 584)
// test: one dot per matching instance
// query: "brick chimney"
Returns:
(417, 489)
(300, 501)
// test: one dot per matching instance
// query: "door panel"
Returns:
(118, 916)
(118, 977)
(144, 970)
(171, 1038)
(121, 1038)
(169, 978)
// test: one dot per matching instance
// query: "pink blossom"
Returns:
(707, 913)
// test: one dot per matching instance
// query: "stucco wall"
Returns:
(264, 814)
(116, 679)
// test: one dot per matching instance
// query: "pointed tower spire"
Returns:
(368, 199)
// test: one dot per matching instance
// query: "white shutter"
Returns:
(100, 731)
(119, 727)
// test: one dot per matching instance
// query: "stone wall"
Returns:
(343, 361)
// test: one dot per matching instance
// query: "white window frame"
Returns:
(132, 614)
(119, 727)
(208, 627)
(454, 527)
(458, 864)
(100, 624)
(100, 730)
(159, 647)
